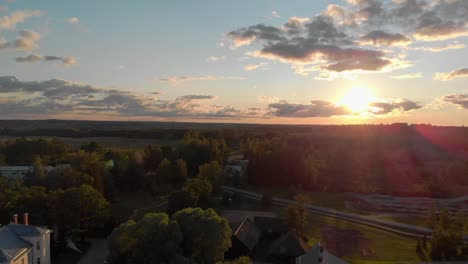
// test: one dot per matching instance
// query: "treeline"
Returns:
(399, 159)
(166, 134)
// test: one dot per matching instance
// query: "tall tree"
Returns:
(296, 214)
(213, 173)
(153, 156)
(207, 236)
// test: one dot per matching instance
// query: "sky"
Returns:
(262, 61)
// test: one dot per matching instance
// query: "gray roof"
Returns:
(313, 255)
(248, 233)
(289, 245)
(11, 244)
(27, 230)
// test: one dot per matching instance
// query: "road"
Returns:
(97, 253)
(398, 228)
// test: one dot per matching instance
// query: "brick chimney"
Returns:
(25, 219)
(14, 219)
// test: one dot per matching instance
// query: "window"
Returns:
(38, 260)
(38, 245)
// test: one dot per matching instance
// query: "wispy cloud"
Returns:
(454, 46)
(10, 22)
(73, 20)
(66, 61)
(461, 100)
(189, 78)
(252, 67)
(215, 59)
(408, 76)
(448, 76)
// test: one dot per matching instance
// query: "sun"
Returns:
(357, 100)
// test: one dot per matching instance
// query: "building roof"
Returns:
(289, 245)
(270, 224)
(316, 256)
(248, 233)
(27, 230)
(11, 245)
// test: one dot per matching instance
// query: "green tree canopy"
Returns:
(190, 236)
(207, 236)
(213, 172)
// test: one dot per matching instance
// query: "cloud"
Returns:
(441, 48)
(448, 76)
(393, 105)
(32, 58)
(317, 108)
(331, 43)
(10, 22)
(321, 108)
(180, 79)
(318, 42)
(441, 30)
(379, 37)
(58, 97)
(460, 100)
(275, 14)
(268, 99)
(408, 76)
(27, 40)
(252, 67)
(73, 20)
(215, 59)
(4, 44)
(246, 36)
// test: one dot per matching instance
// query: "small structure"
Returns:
(287, 248)
(318, 255)
(244, 239)
(15, 172)
(24, 243)
(236, 167)
(18, 172)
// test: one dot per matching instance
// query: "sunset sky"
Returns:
(262, 61)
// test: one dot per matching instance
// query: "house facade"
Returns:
(21, 243)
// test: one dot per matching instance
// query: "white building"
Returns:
(24, 243)
(18, 172)
(15, 172)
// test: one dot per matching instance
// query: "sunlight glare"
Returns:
(357, 100)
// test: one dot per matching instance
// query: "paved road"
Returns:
(97, 253)
(399, 228)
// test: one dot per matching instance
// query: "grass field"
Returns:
(360, 244)
(331, 200)
(353, 242)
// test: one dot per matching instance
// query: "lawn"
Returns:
(353, 242)
(333, 200)
(360, 244)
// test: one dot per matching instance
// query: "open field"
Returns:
(332, 200)
(360, 244)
